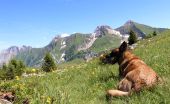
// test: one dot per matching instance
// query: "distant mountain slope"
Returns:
(104, 43)
(32, 57)
(129, 25)
(58, 47)
(11, 52)
(148, 29)
(140, 29)
(76, 45)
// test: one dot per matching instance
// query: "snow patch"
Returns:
(62, 57)
(63, 44)
(124, 38)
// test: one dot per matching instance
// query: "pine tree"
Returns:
(132, 37)
(154, 33)
(48, 64)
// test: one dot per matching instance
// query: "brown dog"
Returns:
(134, 72)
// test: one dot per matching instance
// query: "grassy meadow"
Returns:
(79, 82)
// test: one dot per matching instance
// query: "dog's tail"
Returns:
(117, 93)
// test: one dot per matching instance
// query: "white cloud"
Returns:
(65, 35)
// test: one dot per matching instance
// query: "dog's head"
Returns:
(114, 55)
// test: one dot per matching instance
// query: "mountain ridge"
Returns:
(78, 45)
(141, 30)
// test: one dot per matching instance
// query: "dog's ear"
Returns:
(123, 47)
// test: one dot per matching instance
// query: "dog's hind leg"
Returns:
(124, 88)
(117, 93)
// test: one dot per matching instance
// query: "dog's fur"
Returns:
(134, 72)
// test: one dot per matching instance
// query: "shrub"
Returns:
(154, 33)
(14, 68)
(3, 71)
(148, 36)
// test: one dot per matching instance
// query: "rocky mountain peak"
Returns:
(129, 23)
(24, 48)
(101, 28)
(12, 49)
(104, 30)
(56, 38)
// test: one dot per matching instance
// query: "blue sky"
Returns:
(36, 22)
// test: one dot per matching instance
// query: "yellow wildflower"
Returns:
(33, 70)
(17, 78)
(48, 100)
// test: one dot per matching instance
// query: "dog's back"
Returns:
(136, 72)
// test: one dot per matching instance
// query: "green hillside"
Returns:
(77, 82)
(31, 56)
(73, 42)
(140, 29)
(34, 56)
(104, 43)
(148, 29)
